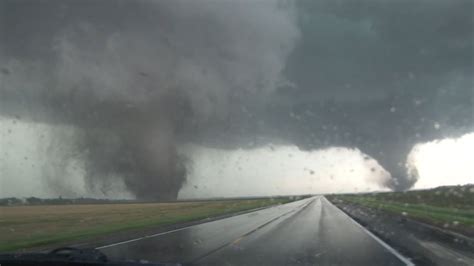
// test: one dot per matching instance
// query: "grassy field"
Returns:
(23, 227)
(447, 207)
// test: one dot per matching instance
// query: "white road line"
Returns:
(380, 241)
(143, 237)
(238, 239)
(175, 230)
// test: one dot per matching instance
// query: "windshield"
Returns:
(266, 132)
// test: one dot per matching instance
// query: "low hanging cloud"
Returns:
(442, 162)
(46, 163)
(279, 170)
(135, 80)
(132, 78)
(377, 75)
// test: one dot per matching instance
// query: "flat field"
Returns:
(24, 227)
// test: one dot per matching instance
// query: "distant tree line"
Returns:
(13, 201)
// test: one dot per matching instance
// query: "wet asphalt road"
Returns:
(306, 232)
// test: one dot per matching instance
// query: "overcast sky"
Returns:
(133, 81)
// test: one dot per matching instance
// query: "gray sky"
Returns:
(138, 78)
(382, 74)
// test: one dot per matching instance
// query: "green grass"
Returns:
(458, 197)
(26, 227)
(447, 207)
(438, 215)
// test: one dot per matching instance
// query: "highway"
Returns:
(306, 232)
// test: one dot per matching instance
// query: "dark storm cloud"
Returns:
(382, 43)
(377, 75)
(380, 75)
(140, 77)
(136, 77)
